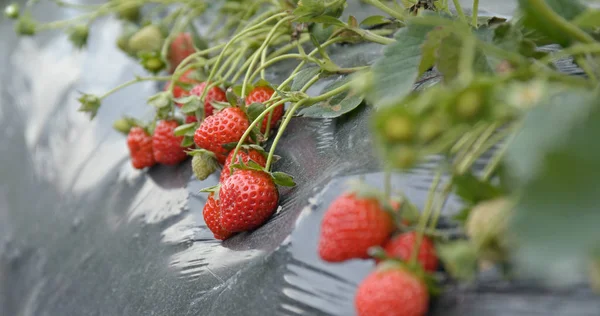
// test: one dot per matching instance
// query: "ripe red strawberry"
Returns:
(226, 126)
(261, 95)
(181, 47)
(402, 245)
(140, 148)
(391, 292)
(245, 155)
(248, 199)
(351, 226)
(165, 145)
(214, 94)
(212, 214)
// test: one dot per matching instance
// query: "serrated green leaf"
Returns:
(192, 105)
(568, 9)
(321, 31)
(473, 190)
(335, 106)
(252, 164)
(430, 47)
(184, 129)
(303, 77)
(229, 146)
(254, 110)
(283, 179)
(555, 165)
(589, 19)
(459, 258)
(449, 55)
(160, 100)
(232, 98)
(374, 20)
(395, 73)
(327, 20)
(187, 141)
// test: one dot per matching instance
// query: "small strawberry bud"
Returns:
(25, 26)
(399, 129)
(12, 11)
(123, 125)
(78, 35)
(90, 104)
(152, 61)
(123, 41)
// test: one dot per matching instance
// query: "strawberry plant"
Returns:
(512, 132)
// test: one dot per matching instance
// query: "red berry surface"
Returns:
(261, 95)
(246, 155)
(212, 215)
(351, 226)
(401, 247)
(181, 47)
(248, 199)
(214, 94)
(165, 145)
(226, 126)
(140, 148)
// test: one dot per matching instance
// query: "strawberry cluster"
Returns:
(352, 226)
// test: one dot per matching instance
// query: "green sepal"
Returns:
(186, 129)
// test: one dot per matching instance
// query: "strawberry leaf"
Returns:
(187, 141)
(185, 129)
(232, 97)
(335, 106)
(192, 105)
(213, 189)
(374, 20)
(254, 110)
(229, 146)
(328, 20)
(473, 190)
(459, 258)
(303, 77)
(283, 179)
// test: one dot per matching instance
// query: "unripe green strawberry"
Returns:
(469, 105)
(399, 128)
(204, 163)
(487, 226)
(403, 157)
(78, 35)
(128, 10)
(147, 39)
(123, 41)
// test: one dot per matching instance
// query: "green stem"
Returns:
(274, 61)
(387, 183)
(372, 37)
(259, 51)
(498, 155)
(331, 93)
(134, 81)
(286, 121)
(239, 57)
(386, 9)
(577, 49)
(543, 10)
(476, 150)
(254, 123)
(459, 10)
(437, 210)
(423, 219)
(475, 12)
(236, 38)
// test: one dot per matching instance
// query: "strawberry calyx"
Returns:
(416, 270)
(399, 207)
(279, 178)
(212, 189)
(204, 163)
